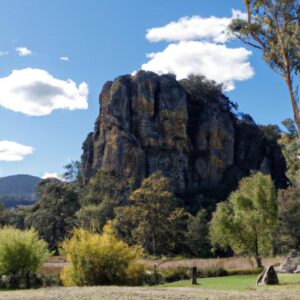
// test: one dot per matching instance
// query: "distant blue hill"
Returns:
(18, 190)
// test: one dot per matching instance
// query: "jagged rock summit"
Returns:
(149, 122)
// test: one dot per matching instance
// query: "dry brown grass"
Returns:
(227, 263)
(127, 293)
(55, 264)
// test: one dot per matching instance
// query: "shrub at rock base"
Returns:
(176, 274)
(213, 271)
(101, 259)
(21, 254)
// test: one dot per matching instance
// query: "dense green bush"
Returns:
(184, 273)
(49, 279)
(204, 91)
(240, 272)
(213, 271)
(13, 217)
(176, 274)
(173, 274)
(197, 238)
(93, 217)
(103, 193)
(287, 234)
(21, 253)
(154, 277)
(99, 259)
(53, 216)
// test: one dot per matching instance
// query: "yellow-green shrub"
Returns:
(66, 276)
(22, 252)
(135, 274)
(101, 259)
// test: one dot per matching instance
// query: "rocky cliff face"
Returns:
(149, 122)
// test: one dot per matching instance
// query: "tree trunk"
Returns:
(154, 243)
(258, 262)
(294, 103)
(27, 280)
(286, 67)
(194, 275)
(288, 75)
(257, 256)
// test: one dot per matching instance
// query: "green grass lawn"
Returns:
(230, 287)
(238, 283)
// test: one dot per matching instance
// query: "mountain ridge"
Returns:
(18, 189)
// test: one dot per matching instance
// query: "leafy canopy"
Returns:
(99, 197)
(247, 220)
(204, 91)
(152, 204)
(197, 234)
(288, 228)
(152, 218)
(290, 147)
(273, 26)
(53, 216)
(73, 172)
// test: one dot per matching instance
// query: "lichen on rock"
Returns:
(149, 122)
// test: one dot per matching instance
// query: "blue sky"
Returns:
(101, 39)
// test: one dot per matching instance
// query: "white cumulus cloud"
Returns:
(64, 58)
(198, 46)
(35, 92)
(195, 28)
(12, 151)
(23, 51)
(217, 62)
(52, 175)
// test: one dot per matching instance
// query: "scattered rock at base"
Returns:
(291, 264)
(268, 277)
(297, 271)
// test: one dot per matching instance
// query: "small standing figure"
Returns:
(194, 275)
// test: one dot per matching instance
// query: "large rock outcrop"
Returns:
(149, 122)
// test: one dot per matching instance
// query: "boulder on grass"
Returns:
(268, 277)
